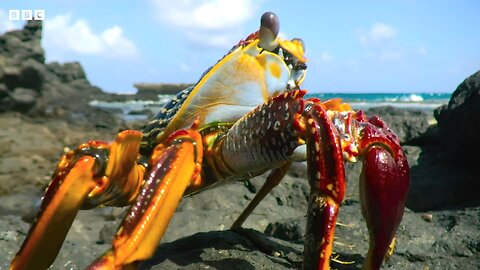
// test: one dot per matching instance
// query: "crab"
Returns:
(245, 116)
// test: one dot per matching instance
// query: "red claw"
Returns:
(383, 190)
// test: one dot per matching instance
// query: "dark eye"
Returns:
(287, 58)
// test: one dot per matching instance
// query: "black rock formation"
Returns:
(30, 86)
(459, 121)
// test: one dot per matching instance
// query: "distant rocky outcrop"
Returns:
(459, 121)
(21, 56)
(33, 87)
(150, 91)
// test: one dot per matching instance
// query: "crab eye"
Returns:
(269, 28)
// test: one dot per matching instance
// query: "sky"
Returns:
(352, 46)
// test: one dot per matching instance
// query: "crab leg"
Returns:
(327, 181)
(78, 173)
(273, 179)
(44, 241)
(270, 134)
(264, 138)
(383, 189)
(175, 166)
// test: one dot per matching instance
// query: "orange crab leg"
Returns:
(79, 172)
(173, 168)
(60, 205)
(327, 181)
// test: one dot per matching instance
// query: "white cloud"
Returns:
(6, 24)
(211, 23)
(212, 40)
(389, 55)
(381, 42)
(184, 67)
(377, 34)
(422, 50)
(62, 35)
(326, 56)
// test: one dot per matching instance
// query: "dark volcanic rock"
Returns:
(20, 45)
(409, 125)
(459, 121)
(446, 167)
(23, 98)
(67, 72)
(150, 91)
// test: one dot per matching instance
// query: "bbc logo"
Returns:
(26, 14)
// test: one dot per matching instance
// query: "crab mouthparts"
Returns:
(296, 78)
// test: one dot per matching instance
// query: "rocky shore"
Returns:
(44, 109)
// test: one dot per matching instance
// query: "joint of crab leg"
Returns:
(122, 179)
(324, 155)
(173, 168)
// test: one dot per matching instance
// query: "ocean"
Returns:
(420, 101)
(359, 101)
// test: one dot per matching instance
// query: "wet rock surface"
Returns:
(440, 228)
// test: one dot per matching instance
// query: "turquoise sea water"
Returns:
(422, 101)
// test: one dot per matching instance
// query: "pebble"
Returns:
(427, 217)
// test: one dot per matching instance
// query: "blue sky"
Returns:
(352, 46)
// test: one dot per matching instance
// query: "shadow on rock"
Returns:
(438, 184)
(239, 249)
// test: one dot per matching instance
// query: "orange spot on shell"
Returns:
(275, 70)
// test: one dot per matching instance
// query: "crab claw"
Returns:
(383, 189)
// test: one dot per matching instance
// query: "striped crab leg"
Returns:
(326, 175)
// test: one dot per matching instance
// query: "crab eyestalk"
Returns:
(269, 28)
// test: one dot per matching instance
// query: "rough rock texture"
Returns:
(409, 125)
(459, 121)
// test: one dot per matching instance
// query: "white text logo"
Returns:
(26, 14)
